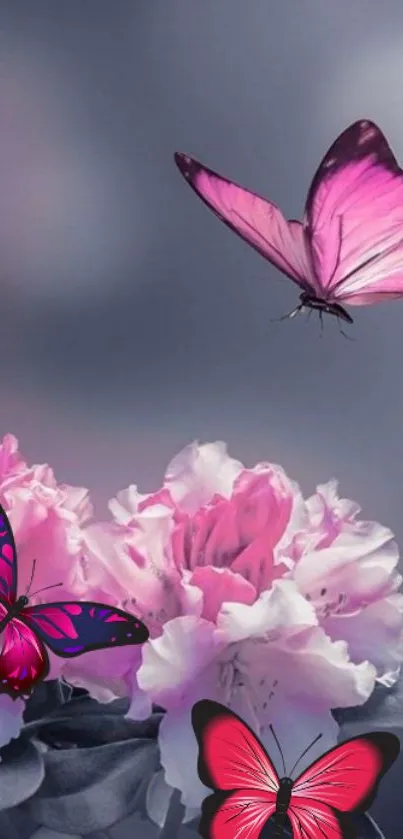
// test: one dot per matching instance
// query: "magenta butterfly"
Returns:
(68, 628)
(248, 792)
(348, 250)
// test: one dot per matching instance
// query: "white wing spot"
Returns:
(367, 132)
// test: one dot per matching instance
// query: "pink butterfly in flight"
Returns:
(348, 250)
(68, 628)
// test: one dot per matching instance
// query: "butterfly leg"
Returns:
(321, 322)
(349, 337)
(289, 315)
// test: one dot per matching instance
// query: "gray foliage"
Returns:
(383, 710)
(81, 769)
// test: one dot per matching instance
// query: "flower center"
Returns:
(236, 682)
(328, 604)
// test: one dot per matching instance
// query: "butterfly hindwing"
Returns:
(354, 218)
(24, 661)
(235, 815)
(311, 819)
(258, 221)
(70, 628)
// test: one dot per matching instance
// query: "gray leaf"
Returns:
(133, 827)
(21, 772)
(85, 722)
(45, 833)
(136, 828)
(384, 709)
(86, 790)
(14, 825)
(158, 798)
(46, 697)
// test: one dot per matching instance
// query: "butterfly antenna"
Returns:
(289, 315)
(304, 752)
(279, 747)
(55, 585)
(32, 577)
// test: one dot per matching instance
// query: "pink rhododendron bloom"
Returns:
(176, 553)
(46, 518)
(268, 661)
(253, 596)
(347, 569)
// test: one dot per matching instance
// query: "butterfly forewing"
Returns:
(70, 628)
(257, 220)
(230, 755)
(234, 763)
(347, 776)
(8, 561)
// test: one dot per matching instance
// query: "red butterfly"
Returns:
(68, 628)
(349, 247)
(248, 791)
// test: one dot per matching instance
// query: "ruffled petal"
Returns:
(199, 472)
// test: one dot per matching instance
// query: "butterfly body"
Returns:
(308, 301)
(67, 628)
(282, 804)
(348, 248)
(248, 794)
(14, 610)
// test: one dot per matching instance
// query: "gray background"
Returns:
(132, 320)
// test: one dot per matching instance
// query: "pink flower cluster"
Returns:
(280, 607)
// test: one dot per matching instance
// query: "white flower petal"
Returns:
(373, 634)
(355, 566)
(296, 728)
(298, 523)
(179, 753)
(172, 663)
(11, 711)
(125, 506)
(307, 668)
(140, 703)
(158, 798)
(326, 499)
(389, 678)
(200, 471)
(279, 612)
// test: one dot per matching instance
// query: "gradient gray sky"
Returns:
(133, 320)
